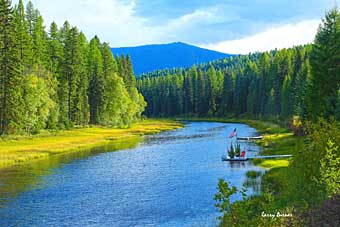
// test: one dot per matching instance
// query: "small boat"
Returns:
(250, 138)
(236, 159)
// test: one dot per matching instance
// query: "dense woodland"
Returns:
(257, 84)
(55, 79)
(301, 81)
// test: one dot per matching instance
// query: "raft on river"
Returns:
(236, 159)
(239, 159)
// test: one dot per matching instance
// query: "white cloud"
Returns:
(279, 37)
(112, 20)
(116, 22)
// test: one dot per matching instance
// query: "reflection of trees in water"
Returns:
(18, 179)
(160, 139)
(254, 182)
(214, 129)
(237, 165)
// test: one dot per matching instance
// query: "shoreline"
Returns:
(21, 150)
(272, 134)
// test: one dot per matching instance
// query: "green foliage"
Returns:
(231, 151)
(11, 77)
(234, 150)
(238, 149)
(329, 169)
(297, 126)
(56, 79)
(38, 102)
(324, 82)
(223, 197)
(248, 211)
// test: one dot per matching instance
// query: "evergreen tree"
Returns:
(82, 116)
(56, 80)
(324, 83)
(188, 94)
(286, 107)
(63, 85)
(267, 84)
(40, 46)
(23, 38)
(30, 17)
(212, 90)
(202, 106)
(11, 78)
(96, 78)
(227, 95)
(264, 67)
(71, 71)
(55, 67)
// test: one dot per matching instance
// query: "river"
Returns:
(167, 179)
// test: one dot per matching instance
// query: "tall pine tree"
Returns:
(11, 78)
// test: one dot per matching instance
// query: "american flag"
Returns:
(234, 133)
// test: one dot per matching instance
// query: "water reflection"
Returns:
(166, 180)
(18, 179)
(254, 182)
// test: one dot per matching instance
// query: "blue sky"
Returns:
(225, 25)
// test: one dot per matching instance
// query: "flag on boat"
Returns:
(233, 134)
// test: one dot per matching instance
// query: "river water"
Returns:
(168, 179)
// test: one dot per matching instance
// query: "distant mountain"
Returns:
(166, 56)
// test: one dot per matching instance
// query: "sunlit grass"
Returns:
(20, 149)
(275, 163)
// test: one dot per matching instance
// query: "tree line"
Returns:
(256, 84)
(55, 79)
(301, 81)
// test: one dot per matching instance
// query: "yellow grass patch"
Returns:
(275, 163)
(22, 149)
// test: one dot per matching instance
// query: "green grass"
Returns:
(278, 144)
(280, 178)
(16, 150)
(275, 163)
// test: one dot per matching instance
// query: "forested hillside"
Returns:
(54, 78)
(265, 84)
(167, 56)
(301, 81)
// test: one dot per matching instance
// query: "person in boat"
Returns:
(243, 154)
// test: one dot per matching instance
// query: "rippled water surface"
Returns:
(168, 179)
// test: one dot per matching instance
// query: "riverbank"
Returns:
(280, 187)
(276, 140)
(18, 150)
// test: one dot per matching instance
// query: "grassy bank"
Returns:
(16, 150)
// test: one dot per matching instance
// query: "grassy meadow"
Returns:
(16, 150)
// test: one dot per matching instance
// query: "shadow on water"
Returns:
(17, 179)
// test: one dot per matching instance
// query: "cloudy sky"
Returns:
(230, 26)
